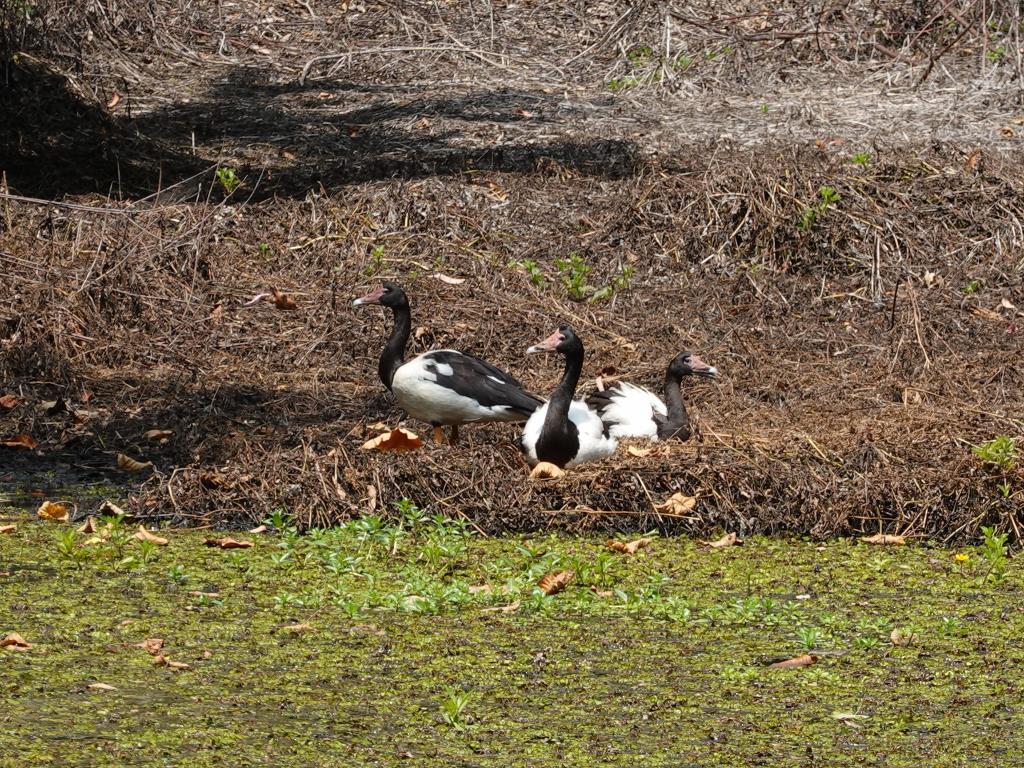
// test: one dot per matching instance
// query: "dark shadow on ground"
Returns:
(55, 143)
(294, 137)
(77, 455)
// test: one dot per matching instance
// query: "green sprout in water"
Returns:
(453, 708)
(810, 637)
(994, 552)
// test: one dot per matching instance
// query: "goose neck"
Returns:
(394, 350)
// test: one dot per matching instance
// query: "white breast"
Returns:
(593, 443)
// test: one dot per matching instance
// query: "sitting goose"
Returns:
(632, 411)
(444, 387)
(563, 431)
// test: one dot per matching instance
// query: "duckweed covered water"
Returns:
(659, 659)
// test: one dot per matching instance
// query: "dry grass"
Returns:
(864, 352)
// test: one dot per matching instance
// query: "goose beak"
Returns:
(701, 368)
(373, 297)
(550, 344)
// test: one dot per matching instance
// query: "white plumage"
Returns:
(594, 444)
(631, 411)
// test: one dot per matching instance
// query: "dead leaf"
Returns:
(627, 547)
(158, 434)
(930, 277)
(8, 528)
(971, 164)
(226, 542)
(478, 588)
(197, 593)
(902, 637)
(151, 645)
(101, 687)
(524, 113)
(299, 628)
(635, 450)
(601, 592)
(1007, 304)
(1006, 132)
(114, 100)
(448, 279)
(884, 539)
(283, 300)
(496, 191)
(258, 529)
(553, 583)
(15, 642)
(21, 441)
(51, 510)
(217, 314)
(795, 663)
(397, 441)
(729, 540)
(420, 332)
(987, 314)
(256, 299)
(545, 469)
(510, 608)
(128, 464)
(110, 508)
(848, 718)
(677, 504)
(8, 401)
(214, 480)
(89, 526)
(371, 498)
(163, 661)
(52, 407)
(143, 535)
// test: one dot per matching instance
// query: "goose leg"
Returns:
(455, 434)
(438, 434)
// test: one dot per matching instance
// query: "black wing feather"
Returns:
(470, 378)
(600, 401)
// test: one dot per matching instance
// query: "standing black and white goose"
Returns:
(563, 431)
(444, 387)
(632, 411)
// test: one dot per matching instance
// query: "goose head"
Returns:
(389, 294)
(563, 340)
(688, 364)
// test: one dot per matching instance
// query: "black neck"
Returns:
(561, 398)
(677, 423)
(394, 351)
